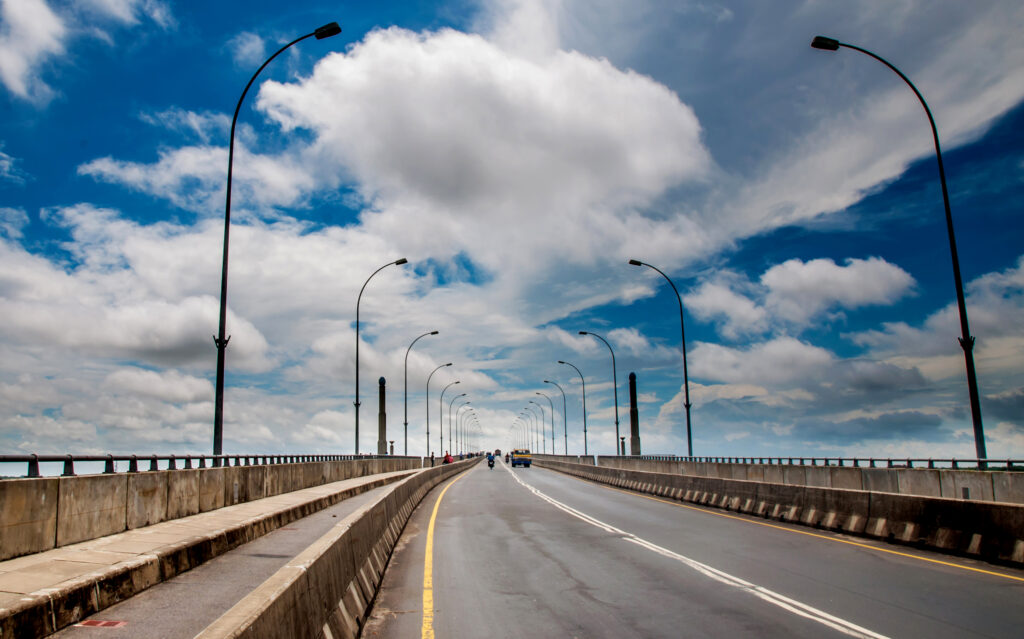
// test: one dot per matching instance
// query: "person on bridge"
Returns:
(447, 458)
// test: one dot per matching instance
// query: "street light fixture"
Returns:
(552, 421)
(428, 404)
(584, 405)
(682, 334)
(966, 339)
(543, 447)
(406, 391)
(440, 411)
(565, 423)
(359, 300)
(615, 382)
(221, 340)
(451, 442)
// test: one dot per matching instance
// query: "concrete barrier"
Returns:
(43, 513)
(981, 485)
(328, 589)
(989, 530)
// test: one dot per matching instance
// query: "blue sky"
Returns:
(518, 153)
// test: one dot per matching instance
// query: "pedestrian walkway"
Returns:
(44, 592)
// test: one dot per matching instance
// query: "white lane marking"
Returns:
(796, 607)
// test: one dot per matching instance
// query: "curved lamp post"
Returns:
(451, 442)
(565, 428)
(682, 335)
(459, 435)
(359, 300)
(966, 339)
(543, 446)
(406, 391)
(428, 404)
(615, 387)
(440, 411)
(552, 404)
(221, 341)
(584, 405)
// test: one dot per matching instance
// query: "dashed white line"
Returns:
(786, 603)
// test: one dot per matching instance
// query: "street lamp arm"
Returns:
(405, 393)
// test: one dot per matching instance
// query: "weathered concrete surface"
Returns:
(328, 589)
(986, 529)
(91, 506)
(913, 481)
(182, 493)
(977, 483)
(41, 593)
(147, 499)
(1008, 487)
(28, 515)
(211, 489)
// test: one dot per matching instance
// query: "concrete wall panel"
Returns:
(913, 481)
(794, 475)
(774, 474)
(846, 478)
(147, 499)
(211, 489)
(1008, 487)
(28, 516)
(818, 476)
(977, 483)
(90, 506)
(879, 480)
(182, 493)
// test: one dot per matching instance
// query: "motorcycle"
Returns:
(490, 463)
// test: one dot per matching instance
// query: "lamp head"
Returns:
(636, 262)
(448, 364)
(560, 362)
(328, 30)
(825, 44)
(584, 333)
(401, 261)
(433, 332)
(546, 382)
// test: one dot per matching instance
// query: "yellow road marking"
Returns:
(809, 534)
(428, 568)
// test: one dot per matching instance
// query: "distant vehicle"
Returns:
(520, 457)
(497, 452)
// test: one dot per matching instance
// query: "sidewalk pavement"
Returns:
(43, 592)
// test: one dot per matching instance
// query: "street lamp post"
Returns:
(359, 300)
(406, 392)
(565, 424)
(552, 421)
(221, 340)
(451, 442)
(615, 382)
(543, 447)
(459, 435)
(584, 382)
(428, 403)
(966, 339)
(440, 412)
(682, 335)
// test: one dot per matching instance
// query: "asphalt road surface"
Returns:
(533, 553)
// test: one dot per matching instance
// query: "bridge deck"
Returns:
(95, 574)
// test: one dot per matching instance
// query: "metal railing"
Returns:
(855, 462)
(171, 461)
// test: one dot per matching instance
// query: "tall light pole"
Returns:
(440, 411)
(406, 392)
(966, 339)
(530, 428)
(682, 335)
(428, 404)
(615, 387)
(359, 300)
(460, 436)
(584, 405)
(550, 403)
(565, 423)
(543, 447)
(451, 442)
(221, 340)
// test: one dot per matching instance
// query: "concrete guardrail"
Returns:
(37, 514)
(327, 590)
(987, 530)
